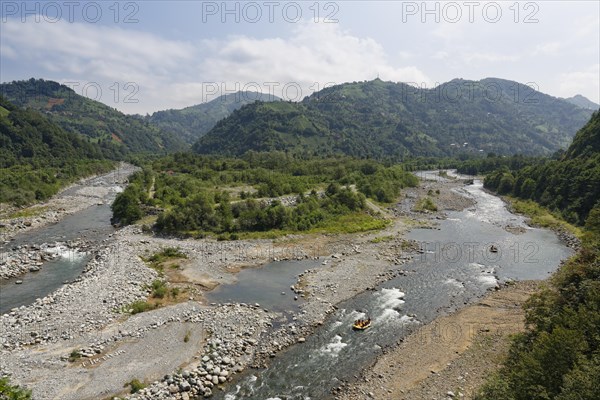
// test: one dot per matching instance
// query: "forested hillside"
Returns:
(558, 357)
(388, 120)
(191, 123)
(37, 157)
(570, 185)
(117, 134)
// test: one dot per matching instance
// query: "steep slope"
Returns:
(558, 357)
(191, 123)
(26, 134)
(583, 102)
(37, 157)
(116, 133)
(570, 186)
(393, 120)
(586, 142)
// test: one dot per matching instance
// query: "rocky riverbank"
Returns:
(78, 342)
(449, 357)
(84, 321)
(31, 258)
(91, 191)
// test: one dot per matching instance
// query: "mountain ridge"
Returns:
(394, 120)
(583, 102)
(191, 123)
(116, 133)
(38, 157)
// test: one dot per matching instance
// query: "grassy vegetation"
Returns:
(135, 385)
(157, 260)
(444, 174)
(12, 392)
(160, 294)
(381, 239)
(27, 212)
(352, 223)
(74, 356)
(425, 204)
(541, 216)
(140, 306)
(159, 289)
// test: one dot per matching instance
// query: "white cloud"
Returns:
(172, 74)
(440, 55)
(489, 57)
(585, 82)
(548, 49)
(587, 27)
(7, 51)
(316, 53)
(100, 51)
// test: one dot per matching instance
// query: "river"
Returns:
(455, 269)
(91, 224)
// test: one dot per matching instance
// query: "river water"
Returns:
(91, 224)
(456, 268)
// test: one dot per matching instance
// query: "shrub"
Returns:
(425, 204)
(12, 392)
(136, 385)
(74, 356)
(140, 306)
(159, 289)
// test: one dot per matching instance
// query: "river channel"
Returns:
(456, 267)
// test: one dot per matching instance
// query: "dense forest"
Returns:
(386, 120)
(194, 194)
(558, 357)
(37, 157)
(569, 185)
(116, 134)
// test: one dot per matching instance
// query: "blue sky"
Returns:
(144, 56)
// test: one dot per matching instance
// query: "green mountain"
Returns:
(116, 133)
(191, 123)
(37, 157)
(583, 102)
(394, 120)
(586, 142)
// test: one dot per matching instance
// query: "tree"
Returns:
(225, 214)
(126, 207)
(506, 184)
(527, 188)
(592, 223)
